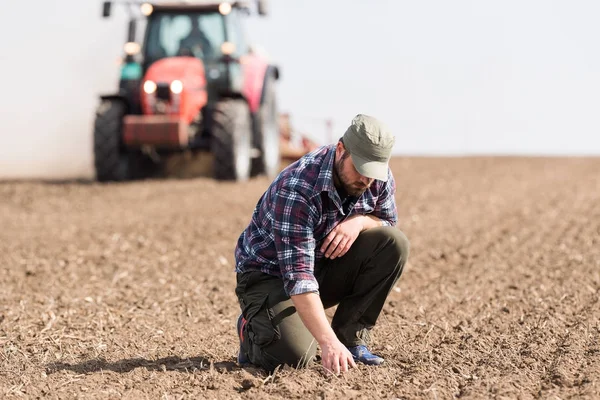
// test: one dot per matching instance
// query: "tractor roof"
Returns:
(195, 5)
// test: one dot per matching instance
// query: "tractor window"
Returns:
(236, 33)
(197, 34)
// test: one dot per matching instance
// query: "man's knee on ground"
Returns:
(296, 355)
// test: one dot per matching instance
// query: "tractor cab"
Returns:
(193, 83)
(202, 34)
(212, 33)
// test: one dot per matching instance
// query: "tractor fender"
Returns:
(113, 96)
(272, 71)
(116, 96)
(234, 96)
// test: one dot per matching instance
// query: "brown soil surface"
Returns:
(126, 290)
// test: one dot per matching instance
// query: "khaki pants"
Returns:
(358, 283)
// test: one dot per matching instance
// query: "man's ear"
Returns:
(340, 149)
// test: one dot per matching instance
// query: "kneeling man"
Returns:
(323, 234)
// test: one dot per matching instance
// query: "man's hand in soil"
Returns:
(335, 357)
(341, 238)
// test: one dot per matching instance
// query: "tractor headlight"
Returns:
(176, 86)
(224, 8)
(146, 9)
(149, 87)
(227, 48)
(131, 48)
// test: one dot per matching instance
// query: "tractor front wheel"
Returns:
(114, 162)
(231, 141)
(111, 162)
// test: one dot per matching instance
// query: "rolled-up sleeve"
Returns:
(385, 208)
(293, 227)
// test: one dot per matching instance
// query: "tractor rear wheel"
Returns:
(267, 138)
(231, 141)
(111, 162)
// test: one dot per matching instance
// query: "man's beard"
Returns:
(354, 189)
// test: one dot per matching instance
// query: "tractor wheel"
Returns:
(231, 140)
(111, 160)
(111, 163)
(267, 135)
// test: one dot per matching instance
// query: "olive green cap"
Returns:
(370, 145)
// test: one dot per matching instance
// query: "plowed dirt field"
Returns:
(112, 291)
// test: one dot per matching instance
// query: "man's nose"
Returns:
(365, 181)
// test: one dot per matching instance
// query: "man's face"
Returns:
(349, 178)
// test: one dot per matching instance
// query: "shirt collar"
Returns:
(325, 179)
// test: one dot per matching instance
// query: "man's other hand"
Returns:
(339, 240)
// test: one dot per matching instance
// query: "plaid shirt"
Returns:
(294, 216)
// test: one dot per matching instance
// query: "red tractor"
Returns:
(193, 84)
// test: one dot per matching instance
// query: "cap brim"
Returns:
(371, 169)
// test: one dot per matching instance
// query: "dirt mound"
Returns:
(126, 290)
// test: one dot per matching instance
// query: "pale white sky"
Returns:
(448, 77)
